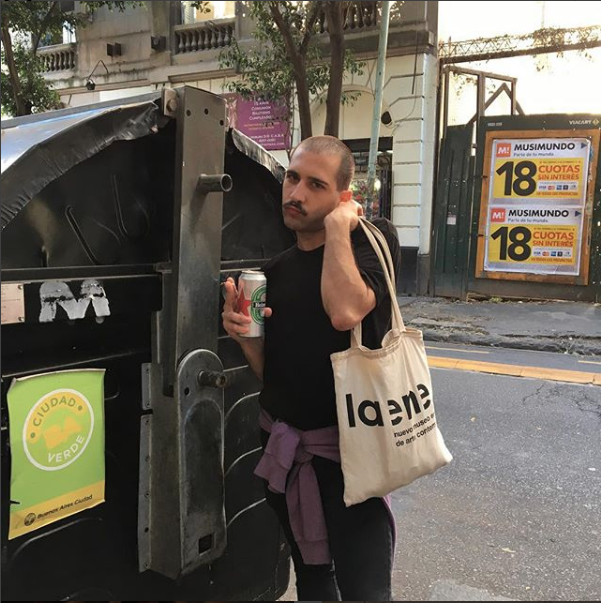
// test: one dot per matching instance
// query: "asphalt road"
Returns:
(517, 514)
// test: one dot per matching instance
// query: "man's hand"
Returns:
(346, 297)
(235, 323)
(347, 212)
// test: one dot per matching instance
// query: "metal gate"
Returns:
(453, 210)
(457, 226)
(584, 287)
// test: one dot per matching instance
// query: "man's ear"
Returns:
(346, 195)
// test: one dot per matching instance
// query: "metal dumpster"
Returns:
(118, 225)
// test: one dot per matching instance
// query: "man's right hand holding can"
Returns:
(237, 326)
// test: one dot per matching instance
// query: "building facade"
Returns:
(169, 44)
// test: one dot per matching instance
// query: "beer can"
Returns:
(252, 292)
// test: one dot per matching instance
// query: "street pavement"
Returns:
(552, 326)
(516, 514)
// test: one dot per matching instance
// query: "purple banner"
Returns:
(265, 122)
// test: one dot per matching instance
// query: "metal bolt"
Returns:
(172, 105)
(212, 379)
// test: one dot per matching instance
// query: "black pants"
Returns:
(360, 540)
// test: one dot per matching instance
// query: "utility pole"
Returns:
(375, 124)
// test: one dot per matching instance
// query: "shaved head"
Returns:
(329, 145)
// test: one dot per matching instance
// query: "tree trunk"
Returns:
(334, 12)
(289, 123)
(304, 105)
(43, 27)
(13, 73)
(300, 72)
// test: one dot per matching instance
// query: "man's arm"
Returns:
(253, 351)
(236, 324)
(346, 297)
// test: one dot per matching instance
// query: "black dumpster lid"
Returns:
(38, 149)
(258, 154)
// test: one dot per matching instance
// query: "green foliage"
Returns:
(25, 27)
(266, 71)
(37, 95)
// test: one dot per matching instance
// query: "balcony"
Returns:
(205, 35)
(59, 57)
(193, 49)
(359, 16)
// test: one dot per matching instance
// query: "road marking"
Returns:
(534, 372)
(589, 362)
(431, 347)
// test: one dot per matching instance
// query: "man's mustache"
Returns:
(296, 205)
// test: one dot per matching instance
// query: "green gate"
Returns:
(453, 209)
(459, 236)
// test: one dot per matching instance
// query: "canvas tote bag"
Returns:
(388, 430)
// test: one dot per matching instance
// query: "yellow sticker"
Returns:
(553, 178)
(533, 244)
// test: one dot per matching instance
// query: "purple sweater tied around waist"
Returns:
(286, 465)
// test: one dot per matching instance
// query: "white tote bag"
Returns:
(388, 430)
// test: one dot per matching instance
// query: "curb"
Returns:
(579, 346)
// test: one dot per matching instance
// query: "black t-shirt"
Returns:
(299, 337)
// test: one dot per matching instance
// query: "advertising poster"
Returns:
(540, 168)
(265, 122)
(536, 205)
(56, 430)
(536, 239)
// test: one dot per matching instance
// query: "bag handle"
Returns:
(373, 232)
(383, 245)
(374, 236)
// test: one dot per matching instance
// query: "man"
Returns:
(318, 290)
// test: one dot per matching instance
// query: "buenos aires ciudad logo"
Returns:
(58, 429)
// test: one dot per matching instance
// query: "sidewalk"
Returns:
(554, 326)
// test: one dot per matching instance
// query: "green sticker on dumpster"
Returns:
(56, 425)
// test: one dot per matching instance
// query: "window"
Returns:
(69, 35)
(213, 10)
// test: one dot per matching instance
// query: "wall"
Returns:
(410, 98)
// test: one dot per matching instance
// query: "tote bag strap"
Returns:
(374, 231)
(374, 236)
(383, 246)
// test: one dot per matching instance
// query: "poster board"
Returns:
(536, 205)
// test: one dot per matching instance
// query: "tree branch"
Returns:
(285, 31)
(299, 70)
(310, 23)
(334, 12)
(43, 27)
(12, 69)
(346, 14)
